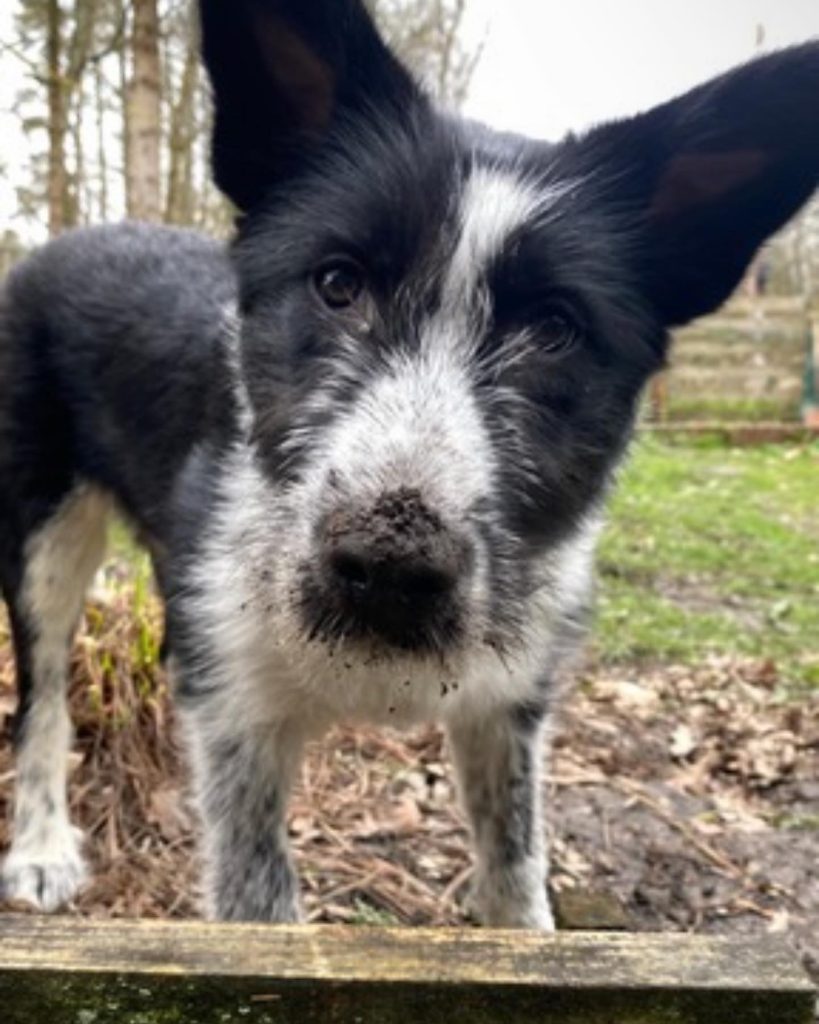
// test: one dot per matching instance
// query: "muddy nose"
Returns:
(395, 567)
(402, 575)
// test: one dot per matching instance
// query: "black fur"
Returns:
(113, 370)
(225, 445)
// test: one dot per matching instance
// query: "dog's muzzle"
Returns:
(393, 572)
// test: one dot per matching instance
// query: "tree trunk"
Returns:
(144, 116)
(181, 187)
(79, 194)
(57, 121)
(125, 107)
(102, 153)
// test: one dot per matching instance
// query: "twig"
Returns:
(717, 859)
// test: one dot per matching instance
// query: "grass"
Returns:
(714, 551)
(747, 410)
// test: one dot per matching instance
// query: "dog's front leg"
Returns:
(498, 759)
(243, 774)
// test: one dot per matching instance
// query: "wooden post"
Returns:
(658, 397)
(810, 405)
(75, 971)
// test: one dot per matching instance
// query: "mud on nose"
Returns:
(365, 572)
(395, 568)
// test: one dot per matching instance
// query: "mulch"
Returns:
(679, 798)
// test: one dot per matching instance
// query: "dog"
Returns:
(369, 446)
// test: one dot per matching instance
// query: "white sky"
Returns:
(553, 65)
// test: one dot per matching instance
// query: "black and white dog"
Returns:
(369, 447)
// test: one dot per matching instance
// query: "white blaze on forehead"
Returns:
(416, 426)
(494, 205)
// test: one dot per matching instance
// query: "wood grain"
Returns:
(76, 971)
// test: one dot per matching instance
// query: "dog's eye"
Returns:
(339, 283)
(558, 330)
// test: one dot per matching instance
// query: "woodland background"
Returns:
(114, 112)
(113, 115)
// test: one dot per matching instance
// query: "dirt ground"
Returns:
(678, 799)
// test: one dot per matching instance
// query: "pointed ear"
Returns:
(282, 72)
(701, 182)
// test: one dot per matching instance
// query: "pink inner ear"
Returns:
(300, 75)
(692, 180)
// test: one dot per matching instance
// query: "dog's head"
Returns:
(444, 329)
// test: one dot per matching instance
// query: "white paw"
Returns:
(493, 907)
(47, 879)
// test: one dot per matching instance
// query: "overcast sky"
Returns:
(553, 65)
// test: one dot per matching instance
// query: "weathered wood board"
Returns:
(74, 971)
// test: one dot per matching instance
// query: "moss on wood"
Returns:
(64, 971)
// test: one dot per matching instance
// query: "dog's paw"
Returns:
(46, 881)
(493, 907)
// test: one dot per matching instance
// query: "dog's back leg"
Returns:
(45, 592)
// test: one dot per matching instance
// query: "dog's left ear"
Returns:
(699, 183)
(283, 73)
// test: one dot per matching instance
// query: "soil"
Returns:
(678, 799)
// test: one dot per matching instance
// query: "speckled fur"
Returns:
(477, 391)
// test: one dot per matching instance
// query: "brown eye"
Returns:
(339, 283)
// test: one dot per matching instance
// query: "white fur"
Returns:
(246, 582)
(505, 892)
(231, 332)
(494, 205)
(271, 688)
(416, 425)
(44, 865)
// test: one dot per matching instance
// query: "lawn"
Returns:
(714, 550)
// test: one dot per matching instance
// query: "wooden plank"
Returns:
(735, 433)
(770, 305)
(75, 971)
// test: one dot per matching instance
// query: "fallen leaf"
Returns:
(682, 744)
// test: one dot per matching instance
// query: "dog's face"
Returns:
(441, 372)
(445, 330)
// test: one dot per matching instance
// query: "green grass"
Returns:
(367, 914)
(747, 410)
(714, 551)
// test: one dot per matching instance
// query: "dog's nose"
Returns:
(406, 576)
(395, 569)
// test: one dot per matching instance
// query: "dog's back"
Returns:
(110, 349)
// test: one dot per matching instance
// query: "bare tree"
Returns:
(428, 34)
(56, 43)
(57, 186)
(184, 114)
(143, 123)
(101, 71)
(100, 107)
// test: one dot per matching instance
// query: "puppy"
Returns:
(369, 448)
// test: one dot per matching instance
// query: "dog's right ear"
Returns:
(283, 72)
